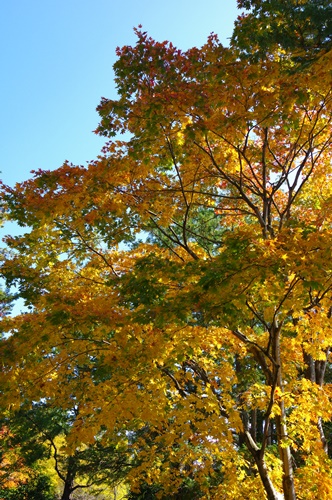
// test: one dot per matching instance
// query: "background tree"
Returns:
(38, 435)
(302, 29)
(22, 476)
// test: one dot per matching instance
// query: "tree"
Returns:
(181, 283)
(38, 435)
(300, 28)
(21, 477)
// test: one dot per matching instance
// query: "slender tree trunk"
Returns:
(249, 437)
(285, 456)
(315, 372)
(269, 440)
(68, 488)
(253, 424)
(282, 436)
(69, 481)
(271, 492)
(322, 435)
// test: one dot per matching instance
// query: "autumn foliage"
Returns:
(179, 286)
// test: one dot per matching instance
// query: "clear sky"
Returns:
(56, 63)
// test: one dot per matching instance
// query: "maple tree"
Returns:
(180, 285)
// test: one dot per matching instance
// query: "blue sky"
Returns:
(56, 61)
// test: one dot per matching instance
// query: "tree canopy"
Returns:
(301, 28)
(179, 286)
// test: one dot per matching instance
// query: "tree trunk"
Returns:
(69, 481)
(285, 456)
(282, 436)
(68, 488)
(253, 424)
(271, 492)
(315, 372)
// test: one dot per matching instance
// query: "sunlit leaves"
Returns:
(179, 286)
